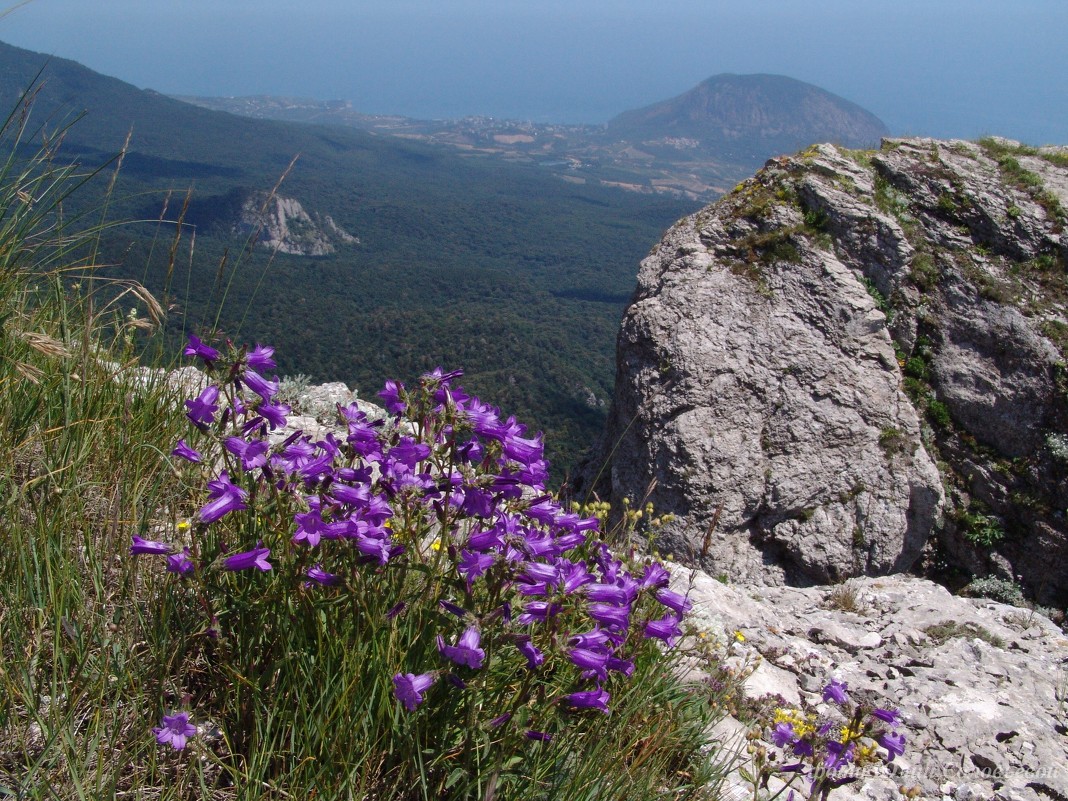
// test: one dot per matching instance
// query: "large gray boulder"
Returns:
(798, 357)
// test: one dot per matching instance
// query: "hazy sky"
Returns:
(938, 67)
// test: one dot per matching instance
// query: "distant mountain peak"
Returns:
(757, 112)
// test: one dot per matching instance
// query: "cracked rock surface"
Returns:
(854, 365)
(982, 686)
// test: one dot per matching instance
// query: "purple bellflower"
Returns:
(673, 600)
(466, 651)
(592, 662)
(320, 576)
(838, 754)
(141, 546)
(256, 558)
(252, 454)
(894, 743)
(782, 735)
(891, 716)
(836, 691)
(274, 413)
(591, 699)
(185, 452)
(263, 387)
(390, 395)
(225, 497)
(202, 408)
(408, 688)
(175, 731)
(665, 628)
(534, 656)
(261, 359)
(197, 348)
(180, 563)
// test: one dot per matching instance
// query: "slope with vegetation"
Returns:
(149, 649)
(501, 269)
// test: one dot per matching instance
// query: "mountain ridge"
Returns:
(774, 110)
(680, 152)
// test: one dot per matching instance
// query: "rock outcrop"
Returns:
(283, 224)
(850, 353)
(981, 686)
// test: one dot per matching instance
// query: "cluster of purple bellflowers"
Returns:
(443, 482)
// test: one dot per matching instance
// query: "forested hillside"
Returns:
(514, 275)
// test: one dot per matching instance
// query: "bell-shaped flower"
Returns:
(590, 699)
(175, 730)
(891, 716)
(608, 593)
(391, 397)
(593, 662)
(624, 666)
(537, 612)
(256, 558)
(409, 452)
(151, 547)
(836, 691)
(180, 563)
(263, 387)
(894, 743)
(202, 408)
(273, 413)
(838, 755)
(677, 602)
(320, 576)
(575, 575)
(185, 452)
(251, 454)
(408, 688)
(310, 527)
(665, 628)
(261, 358)
(783, 734)
(473, 564)
(610, 615)
(533, 655)
(655, 575)
(225, 497)
(196, 348)
(466, 651)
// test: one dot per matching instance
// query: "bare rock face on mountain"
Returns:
(850, 353)
(285, 226)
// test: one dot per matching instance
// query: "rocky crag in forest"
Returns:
(854, 364)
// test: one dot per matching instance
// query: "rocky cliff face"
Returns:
(285, 226)
(854, 360)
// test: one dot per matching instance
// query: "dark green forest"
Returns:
(503, 270)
